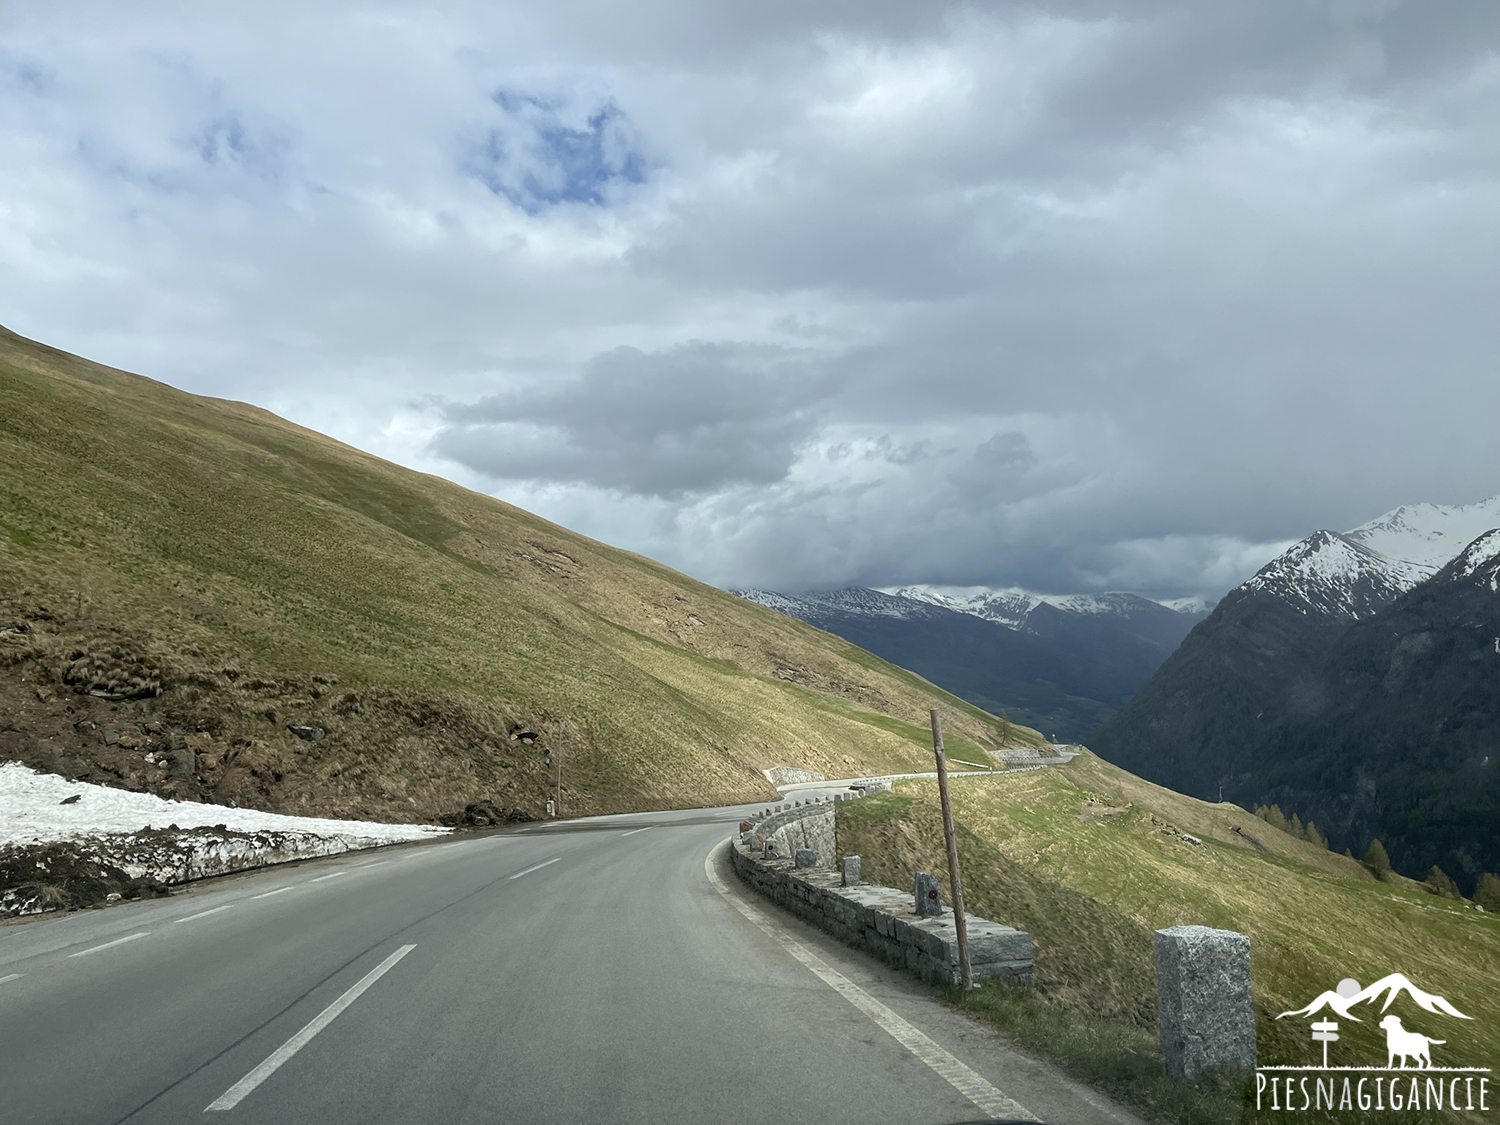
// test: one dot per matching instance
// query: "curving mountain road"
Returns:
(598, 970)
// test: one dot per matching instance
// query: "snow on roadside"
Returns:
(148, 837)
(31, 811)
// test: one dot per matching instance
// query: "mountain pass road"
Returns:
(611, 969)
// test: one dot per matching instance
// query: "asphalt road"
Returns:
(605, 970)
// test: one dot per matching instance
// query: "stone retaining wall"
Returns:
(879, 920)
(790, 827)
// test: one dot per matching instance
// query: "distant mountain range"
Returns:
(1061, 663)
(1355, 681)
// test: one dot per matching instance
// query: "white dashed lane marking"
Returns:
(12, 976)
(633, 831)
(536, 867)
(277, 891)
(236, 1093)
(109, 944)
(204, 913)
(330, 875)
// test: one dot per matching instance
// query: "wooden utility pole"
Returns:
(955, 884)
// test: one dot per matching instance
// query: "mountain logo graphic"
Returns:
(1409, 1051)
(1348, 994)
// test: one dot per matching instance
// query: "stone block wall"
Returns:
(798, 826)
(879, 920)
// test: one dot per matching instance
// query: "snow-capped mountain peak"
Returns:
(1428, 534)
(1011, 606)
(1007, 607)
(1333, 575)
(1353, 574)
(1479, 560)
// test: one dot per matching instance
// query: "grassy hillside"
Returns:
(1090, 860)
(187, 577)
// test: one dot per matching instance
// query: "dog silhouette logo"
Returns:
(1403, 1044)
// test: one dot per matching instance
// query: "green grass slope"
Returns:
(1091, 860)
(187, 577)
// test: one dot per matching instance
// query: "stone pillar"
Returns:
(1203, 992)
(849, 868)
(805, 857)
(929, 896)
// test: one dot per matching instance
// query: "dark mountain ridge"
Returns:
(1062, 671)
(1347, 687)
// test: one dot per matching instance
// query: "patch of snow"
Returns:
(1004, 606)
(1430, 535)
(32, 812)
(1113, 603)
(771, 600)
(148, 837)
(1010, 606)
(1197, 604)
(855, 601)
(1479, 560)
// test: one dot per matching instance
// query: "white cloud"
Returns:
(1068, 294)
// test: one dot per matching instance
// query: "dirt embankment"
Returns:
(97, 704)
(63, 876)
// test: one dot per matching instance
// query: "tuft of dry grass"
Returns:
(1091, 860)
(202, 574)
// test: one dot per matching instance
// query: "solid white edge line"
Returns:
(989, 1098)
(536, 867)
(277, 891)
(12, 976)
(330, 875)
(203, 913)
(633, 831)
(236, 1093)
(106, 945)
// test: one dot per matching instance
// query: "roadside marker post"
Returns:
(1325, 1032)
(955, 884)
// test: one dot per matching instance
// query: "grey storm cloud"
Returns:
(690, 419)
(1071, 294)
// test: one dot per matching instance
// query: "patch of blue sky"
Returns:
(537, 158)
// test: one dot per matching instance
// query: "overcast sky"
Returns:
(1071, 295)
